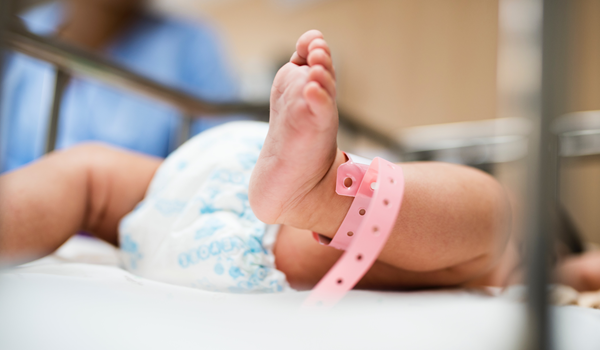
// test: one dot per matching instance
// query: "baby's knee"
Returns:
(87, 156)
(86, 150)
(73, 161)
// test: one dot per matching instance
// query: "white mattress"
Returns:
(79, 298)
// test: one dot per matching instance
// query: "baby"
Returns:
(233, 208)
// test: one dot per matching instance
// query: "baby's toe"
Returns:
(321, 57)
(319, 74)
(301, 54)
(319, 43)
(319, 102)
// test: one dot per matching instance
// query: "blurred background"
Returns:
(457, 81)
(410, 70)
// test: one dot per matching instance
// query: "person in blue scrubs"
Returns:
(182, 55)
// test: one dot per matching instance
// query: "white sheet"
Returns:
(79, 299)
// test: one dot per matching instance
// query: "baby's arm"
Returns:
(85, 188)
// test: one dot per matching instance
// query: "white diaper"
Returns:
(195, 227)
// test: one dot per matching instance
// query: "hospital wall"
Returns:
(400, 63)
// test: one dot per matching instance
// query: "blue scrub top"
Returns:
(179, 54)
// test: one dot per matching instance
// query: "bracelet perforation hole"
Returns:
(386, 202)
(350, 233)
(375, 230)
(362, 212)
(339, 281)
(348, 182)
(359, 257)
(392, 181)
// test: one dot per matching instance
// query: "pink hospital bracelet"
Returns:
(378, 192)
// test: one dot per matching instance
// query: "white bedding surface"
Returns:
(78, 298)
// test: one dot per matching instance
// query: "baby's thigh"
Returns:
(305, 262)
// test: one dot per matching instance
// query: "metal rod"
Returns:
(359, 128)
(186, 129)
(61, 79)
(544, 175)
(5, 13)
(83, 63)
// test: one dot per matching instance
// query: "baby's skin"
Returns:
(454, 228)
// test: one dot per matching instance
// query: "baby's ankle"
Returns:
(322, 210)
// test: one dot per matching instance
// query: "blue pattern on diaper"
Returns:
(211, 226)
(228, 244)
(182, 165)
(255, 246)
(169, 207)
(235, 272)
(219, 269)
(248, 160)
(129, 246)
(206, 207)
(205, 251)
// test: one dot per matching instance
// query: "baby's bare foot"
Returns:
(300, 147)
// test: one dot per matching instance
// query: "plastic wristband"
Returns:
(378, 190)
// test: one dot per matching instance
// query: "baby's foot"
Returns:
(300, 147)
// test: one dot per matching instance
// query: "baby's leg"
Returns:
(581, 272)
(305, 262)
(454, 220)
(85, 188)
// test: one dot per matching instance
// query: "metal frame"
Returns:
(5, 13)
(543, 172)
(61, 79)
(75, 61)
(579, 133)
